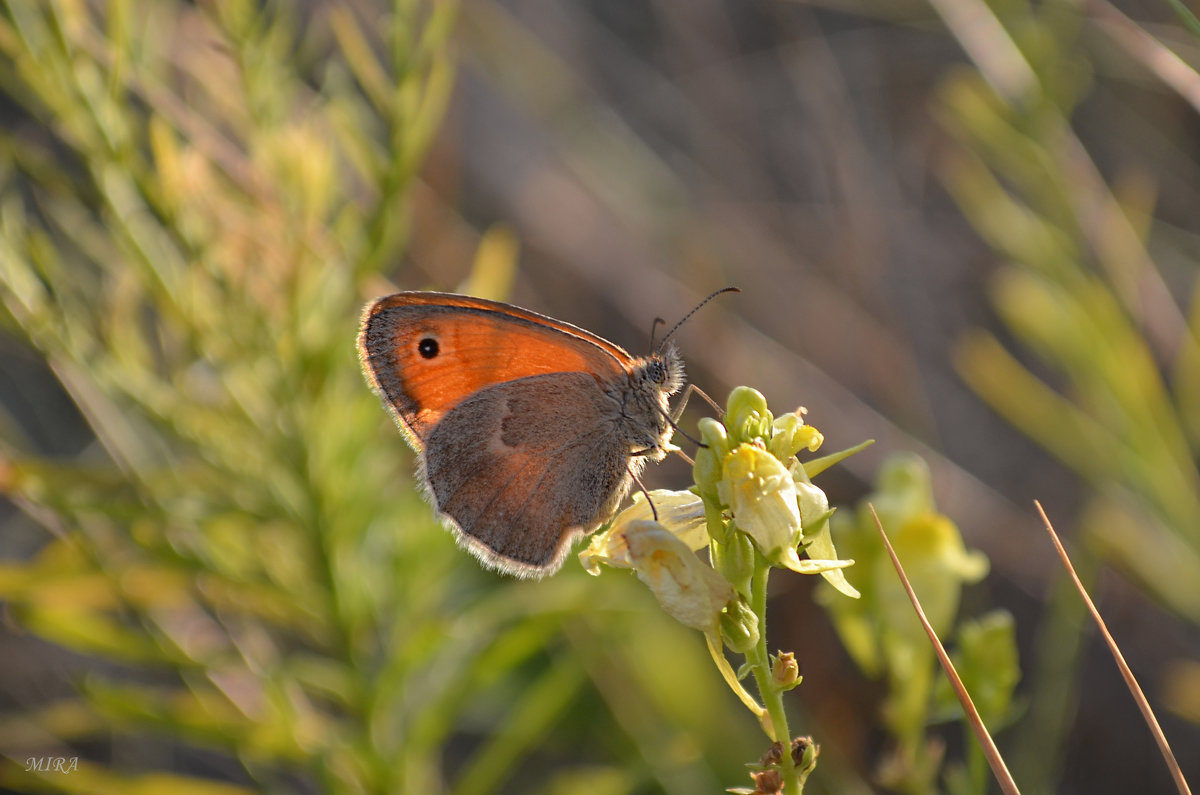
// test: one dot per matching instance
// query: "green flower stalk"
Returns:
(755, 508)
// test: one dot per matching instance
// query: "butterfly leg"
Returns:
(677, 412)
(642, 487)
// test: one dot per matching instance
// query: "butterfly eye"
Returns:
(656, 371)
(428, 348)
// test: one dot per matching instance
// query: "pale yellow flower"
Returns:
(680, 512)
(766, 502)
(762, 495)
(688, 589)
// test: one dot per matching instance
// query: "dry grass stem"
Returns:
(1130, 680)
(995, 760)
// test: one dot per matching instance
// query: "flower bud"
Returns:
(767, 782)
(747, 416)
(739, 626)
(714, 435)
(785, 671)
(707, 469)
(737, 561)
(804, 754)
(773, 756)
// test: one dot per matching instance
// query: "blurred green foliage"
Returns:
(1103, 365)
(195, 202)
(1083, 294)
(887, 642)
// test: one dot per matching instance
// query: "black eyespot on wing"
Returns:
(428, 348)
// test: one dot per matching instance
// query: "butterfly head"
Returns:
(663, 370)
(645, 423)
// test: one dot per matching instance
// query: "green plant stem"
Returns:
(772, 696)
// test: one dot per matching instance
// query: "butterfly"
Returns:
(530, 431)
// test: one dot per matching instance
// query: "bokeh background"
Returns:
(962, 228)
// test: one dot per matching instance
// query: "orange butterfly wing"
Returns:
(428, 352)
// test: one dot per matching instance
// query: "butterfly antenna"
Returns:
(658, 321)
(675, 328)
